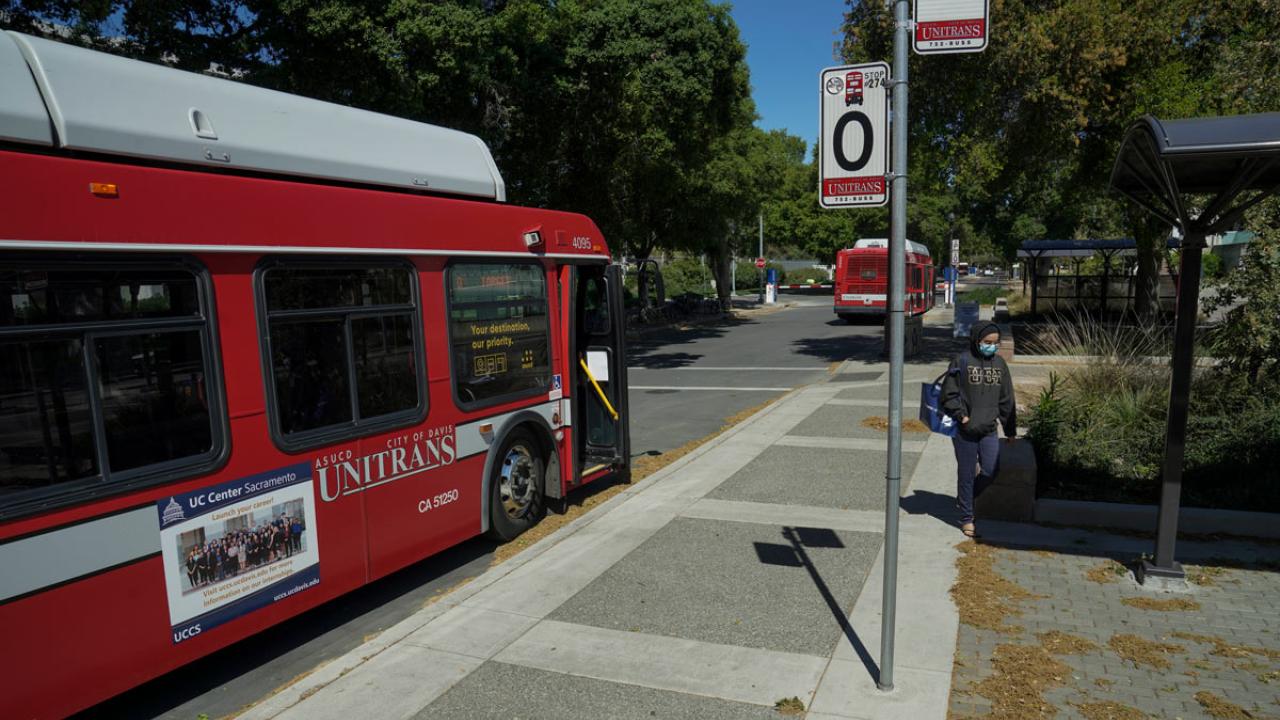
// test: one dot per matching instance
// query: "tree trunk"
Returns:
(722, 270)
(1149, 233)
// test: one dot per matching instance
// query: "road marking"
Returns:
(718, 388)
(732, 369)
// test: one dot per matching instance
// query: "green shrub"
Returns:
(686, 275)
(1100, 435)
(984, 295)
(805, 276)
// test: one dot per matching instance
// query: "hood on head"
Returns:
(979, 330)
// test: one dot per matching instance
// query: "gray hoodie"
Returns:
(983, 392)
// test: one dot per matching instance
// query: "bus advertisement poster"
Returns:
(235, 547)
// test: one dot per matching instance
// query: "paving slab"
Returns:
(498, 691)
(845, 421)
(731, 583)
(391, 685)
(760, 677)
(840, 479)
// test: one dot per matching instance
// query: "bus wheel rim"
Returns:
(515, 482)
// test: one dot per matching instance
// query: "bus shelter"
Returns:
(1079, 290)
(1199, 175)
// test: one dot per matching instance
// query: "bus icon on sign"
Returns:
(853, 89)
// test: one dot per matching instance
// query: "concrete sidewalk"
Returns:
(747, 572)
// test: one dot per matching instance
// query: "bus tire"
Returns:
(515, 490)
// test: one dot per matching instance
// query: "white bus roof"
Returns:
(912, 245)
(59, 95)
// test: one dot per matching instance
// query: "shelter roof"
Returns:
(1080, 248)
(1160, 161)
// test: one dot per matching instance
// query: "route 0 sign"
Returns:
(951, 26)
(854, 136)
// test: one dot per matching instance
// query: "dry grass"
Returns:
(984, 597)
(1109, 710)
(1022, 674)
(1222, 648)
(1168, 605)
(1107, 572)
(1061, 643)
(1220, 707)
(1141, 651)
(1205, 575)
(881, 423)
(789, 706)
(442, 592)
(586, 499)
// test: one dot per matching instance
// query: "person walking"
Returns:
(977, 393)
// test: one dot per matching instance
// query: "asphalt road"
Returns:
(685, 383)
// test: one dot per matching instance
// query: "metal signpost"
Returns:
(953, 271)
(854, 171)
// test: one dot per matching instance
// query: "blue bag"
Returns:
(931, 412)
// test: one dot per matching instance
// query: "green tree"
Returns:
(1021, 138)
(1248, 339)
(608, 107)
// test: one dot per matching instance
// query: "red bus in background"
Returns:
(239, 378)
(862, 279)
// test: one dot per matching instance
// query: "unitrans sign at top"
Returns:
(953, 30)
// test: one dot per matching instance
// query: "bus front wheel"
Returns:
(515, 502)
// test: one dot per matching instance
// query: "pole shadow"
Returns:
(794, 555)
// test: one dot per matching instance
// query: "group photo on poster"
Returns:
(225, 549)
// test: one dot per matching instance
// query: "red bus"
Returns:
(257, 351)
(862, 279)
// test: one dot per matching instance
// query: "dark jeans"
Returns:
(978, 457)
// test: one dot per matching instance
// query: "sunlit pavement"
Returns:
(745, 573)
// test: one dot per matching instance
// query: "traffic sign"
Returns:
(854, 136)
(955, 251)
(951, 26)
(760, 263)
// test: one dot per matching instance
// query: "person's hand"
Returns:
(964, 420)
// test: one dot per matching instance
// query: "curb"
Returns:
(1207, 521)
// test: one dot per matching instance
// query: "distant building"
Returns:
(1230, 246)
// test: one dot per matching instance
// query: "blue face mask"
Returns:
(988, 349)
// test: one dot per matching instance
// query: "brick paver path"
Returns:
(1228, 646)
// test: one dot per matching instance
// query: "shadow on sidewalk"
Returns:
(794, 555)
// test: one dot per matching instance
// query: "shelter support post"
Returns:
(1165, 567)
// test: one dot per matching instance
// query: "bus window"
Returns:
(130, 340)
(343, 346)
(498, 329)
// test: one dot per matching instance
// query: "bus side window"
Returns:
(498, 330)
(127, 338)
(343, 348)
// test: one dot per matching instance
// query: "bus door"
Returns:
(599, 369)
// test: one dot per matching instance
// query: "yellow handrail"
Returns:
(596, 385)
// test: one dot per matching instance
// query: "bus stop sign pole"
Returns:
(897, 276)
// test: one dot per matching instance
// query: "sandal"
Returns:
(970, 531)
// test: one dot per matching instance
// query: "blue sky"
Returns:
(788, 43)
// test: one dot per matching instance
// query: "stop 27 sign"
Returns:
(854, 136)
